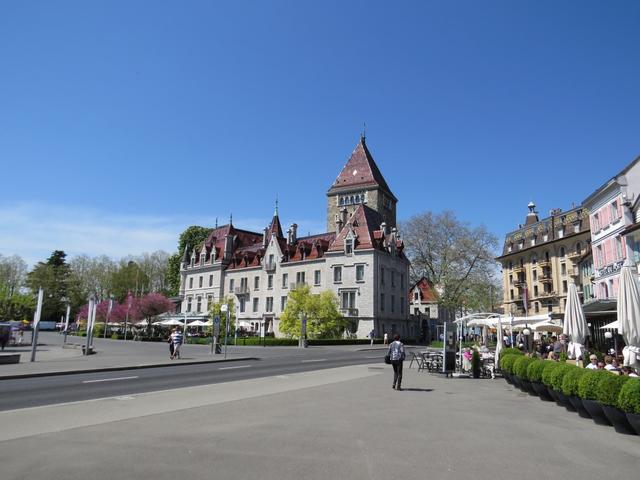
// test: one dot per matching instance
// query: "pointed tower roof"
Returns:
(360, 170)
(275, 228)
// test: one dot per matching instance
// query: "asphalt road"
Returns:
(31, 392)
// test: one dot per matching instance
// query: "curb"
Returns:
(115, 369)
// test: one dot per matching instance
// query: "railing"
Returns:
(241, 290)
(545, 279)
(544, 263)
(269, 266)
(547, 294)
(349, 312)
(518, 269)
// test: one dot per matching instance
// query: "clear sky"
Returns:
(124, 122)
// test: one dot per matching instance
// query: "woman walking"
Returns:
(396, 353)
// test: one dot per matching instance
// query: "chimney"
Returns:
(338, 223)
(343, 215)
(289, 240)
(228, 247)
(294, 232)
(264, 237)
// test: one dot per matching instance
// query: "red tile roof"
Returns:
(428, 292)
(360, 170)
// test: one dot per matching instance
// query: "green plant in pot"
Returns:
(520, 370)
(629, 402)
(534, 372)
(549, 368)
(475, 364)
(609, 387)
(588, 392)
(506, 366)
(557, 377)
(510, 351)
(570, 390)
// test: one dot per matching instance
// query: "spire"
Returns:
(230, 219)
(363, 135)
(216, 222)
(275, 228)
(275, 213)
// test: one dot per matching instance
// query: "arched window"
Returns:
(352, 199)
(578, 247)
(341, 201)
(562, 252)
(534, 259)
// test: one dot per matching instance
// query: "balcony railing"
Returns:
(544, 263)
(547, 294)
(349, 312)
(269, 266)
(518, 269)
(241, 290)
(545, 279)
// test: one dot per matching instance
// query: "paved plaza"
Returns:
(343, 423)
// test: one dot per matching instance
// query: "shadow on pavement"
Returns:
(417, 389)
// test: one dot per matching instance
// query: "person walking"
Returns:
(372, 336)
(176, 340)
(396, 354)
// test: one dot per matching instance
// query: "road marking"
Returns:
(377, 356)
(314, 360)
(108, 379)
(231, 368)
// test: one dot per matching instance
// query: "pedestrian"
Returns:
(386, 338)
(372, 336)
(176, 339)
(396, 354)
(5, 334)
(20, 336)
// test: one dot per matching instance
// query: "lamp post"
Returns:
(224, 308)
(36, 321)
(66, 321)
(302, 343)
(126, 317)
(106, 320)
(526, 332)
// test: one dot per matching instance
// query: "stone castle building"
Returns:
(360, 258)
(541, 258)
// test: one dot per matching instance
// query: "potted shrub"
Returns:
(510, 351)
(557, 378)
(534, 372)
(588, 392)
(506, 365)
(475, 364)
(609, 388)
(629, 402)
(549, 368)
(570, 390)
(520, 369)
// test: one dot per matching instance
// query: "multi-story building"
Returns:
(360, 258)
(610, 215)
(540, 259)
(425, 308)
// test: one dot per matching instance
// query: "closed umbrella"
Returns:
(575, 325)
(499, 341)
(629, 316)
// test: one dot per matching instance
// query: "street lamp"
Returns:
(66, 321)
(526, 332)
(224, 308)
(609, 335)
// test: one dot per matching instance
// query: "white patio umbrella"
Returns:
(171, 322)
(613, 325)
(629, 316)
(575, 325)
(197, 323)
(500, 339)
(547, 326)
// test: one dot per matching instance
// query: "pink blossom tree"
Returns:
(149, 306)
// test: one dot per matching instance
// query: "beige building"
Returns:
(540, 259)
(360, 258)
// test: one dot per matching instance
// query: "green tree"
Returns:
(54, 277)
(216, 309)
(14, 303)
(456, 257)
(129, 277)
(323, 317)
(191, 237)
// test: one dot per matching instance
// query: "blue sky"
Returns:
(123, 122)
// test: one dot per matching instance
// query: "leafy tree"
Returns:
(191, 237)
(129, 277)
(14, 303)
(323, 317)
(150, 306)
(216, 309)
(457, 258)
(54, 277)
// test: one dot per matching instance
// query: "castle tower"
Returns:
(360, 181)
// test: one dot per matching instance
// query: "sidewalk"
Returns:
(52, 358)
(343, 423)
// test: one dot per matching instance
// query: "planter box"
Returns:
(596, 412)
(542, 391)
(577, 404)
(634, 421)
(507, 377)
(553, 393)
(618, 419)
(565, 402)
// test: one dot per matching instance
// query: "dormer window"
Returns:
(193, 261)
(203, 256)
(348, 246)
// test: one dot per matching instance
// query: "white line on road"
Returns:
(237, 366)
(377, 356)
(314, 360)
(108, 379)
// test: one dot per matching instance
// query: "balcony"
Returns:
(349, 312)
(269, 266)
(241, 290)
(547, 294)
(574, 272)
(294, 285)
(546, 279)
(544, 263)
(518, 269)
(574, 256)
